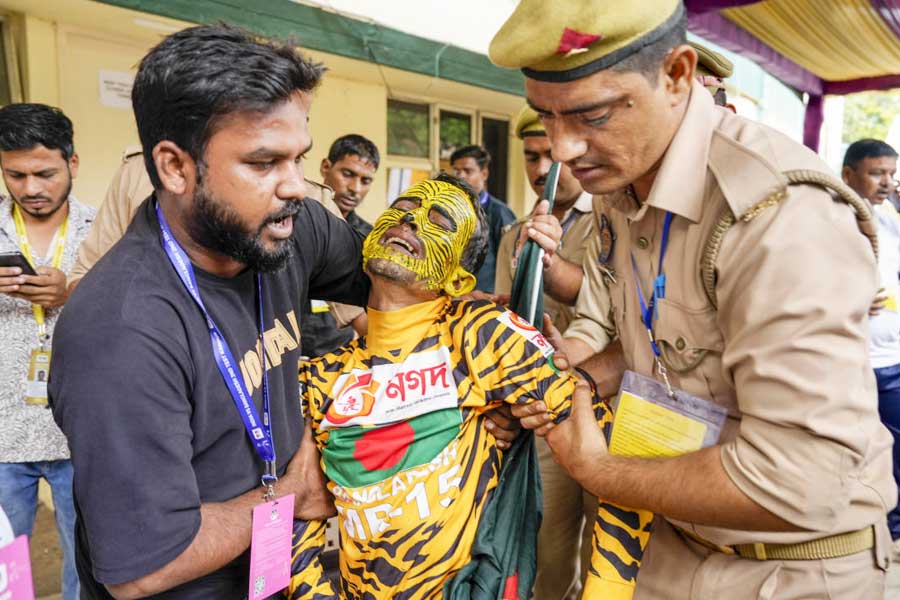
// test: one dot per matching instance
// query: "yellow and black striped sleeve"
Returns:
(510, 361)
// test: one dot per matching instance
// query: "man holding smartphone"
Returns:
(41, 227)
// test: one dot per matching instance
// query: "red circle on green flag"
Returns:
(384, 447)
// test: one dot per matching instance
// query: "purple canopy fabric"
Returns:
(889, 10)
(704, 20)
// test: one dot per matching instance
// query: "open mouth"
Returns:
(402, 241)
(402, 246)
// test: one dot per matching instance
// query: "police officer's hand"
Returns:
(47, 288)
(556, 340)
(304, 478)
(543, 228)
(577, 443)
(503, 426)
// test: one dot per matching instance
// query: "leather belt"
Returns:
(833, 546)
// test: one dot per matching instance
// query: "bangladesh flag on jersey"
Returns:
(358, 456)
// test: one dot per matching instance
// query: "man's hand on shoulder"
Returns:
(47, 288)
(304, 478)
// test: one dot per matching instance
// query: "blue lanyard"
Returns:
(260, 432)
(648, 310)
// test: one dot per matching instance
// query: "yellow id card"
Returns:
(36, 379)
(646, 429)
(650, 423)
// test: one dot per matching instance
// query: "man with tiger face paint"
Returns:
(399, 415)
(421, 240)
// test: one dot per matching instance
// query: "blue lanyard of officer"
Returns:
(260, 432)
(649, 310)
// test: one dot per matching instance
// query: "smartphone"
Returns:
(17, 259)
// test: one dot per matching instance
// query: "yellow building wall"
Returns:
(342, 106)
(65, 47)
(101, 132)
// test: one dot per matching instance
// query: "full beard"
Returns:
(218, 228)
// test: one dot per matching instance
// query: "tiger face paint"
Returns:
(425, 232)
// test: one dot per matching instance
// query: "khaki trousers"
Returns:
(678, 569)
(564, 540)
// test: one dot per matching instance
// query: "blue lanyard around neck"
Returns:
(260, 432)
(648, 310)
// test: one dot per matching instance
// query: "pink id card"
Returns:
(270, 547)
(15, 571)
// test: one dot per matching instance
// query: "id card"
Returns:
(270, 547)
(650, 423)
(36, 379)
(15, 571)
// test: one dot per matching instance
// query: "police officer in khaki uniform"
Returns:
(587, 334)
(768, 282)
(569, 512)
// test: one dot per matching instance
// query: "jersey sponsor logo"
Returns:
(421, 384)
(526, 330)
(355, 400)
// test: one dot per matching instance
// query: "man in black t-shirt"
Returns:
(166, 474)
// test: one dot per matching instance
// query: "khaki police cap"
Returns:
(564, 41)
(710, 62)
(529, 124)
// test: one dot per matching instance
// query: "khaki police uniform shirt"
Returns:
(572, 248)
(786, 351)
(129, 187)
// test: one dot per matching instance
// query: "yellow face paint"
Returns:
(443, 219)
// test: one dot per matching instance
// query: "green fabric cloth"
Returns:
(504, 553)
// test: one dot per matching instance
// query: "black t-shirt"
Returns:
(319, 331)
(152, 427)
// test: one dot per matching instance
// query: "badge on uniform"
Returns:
(652, 422)
(607, 240)
(36, 378)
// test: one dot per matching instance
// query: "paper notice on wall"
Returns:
(115, 88)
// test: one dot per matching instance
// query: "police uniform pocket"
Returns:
(686, 337)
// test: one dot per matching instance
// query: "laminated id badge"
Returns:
(270, 547)
(649, 422)
(36, 378)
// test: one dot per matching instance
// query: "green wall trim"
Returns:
(326, 31)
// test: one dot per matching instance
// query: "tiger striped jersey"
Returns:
(399, 418)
